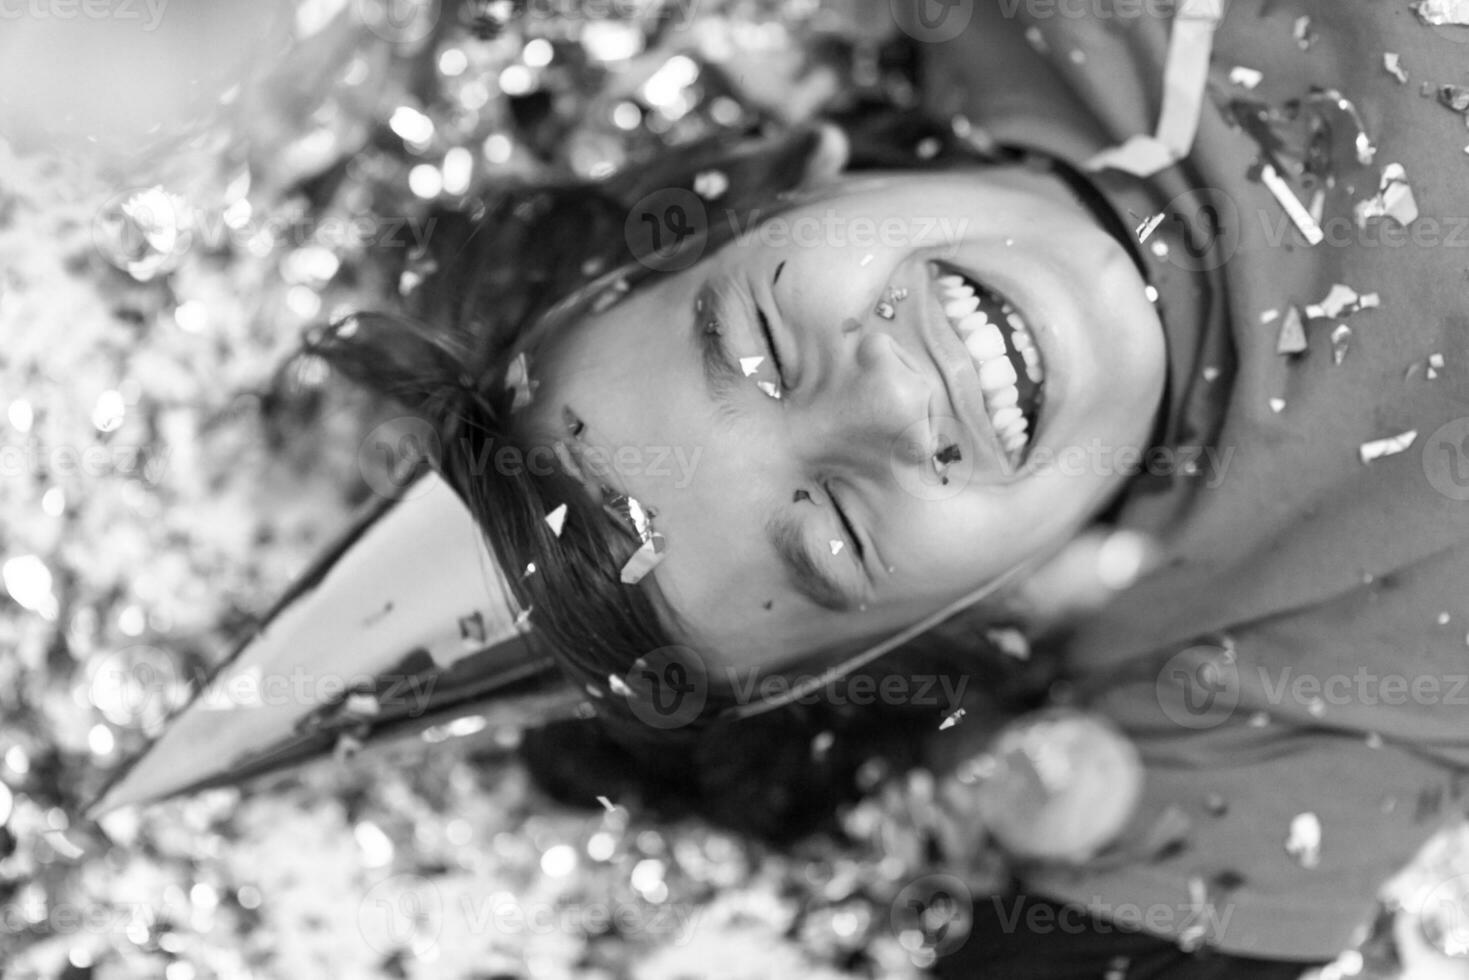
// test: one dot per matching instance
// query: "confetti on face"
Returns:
(1393, 64)
(1292, 339)
(1341, 342)
(1304, 840)
(1299, 216)
(1391, 446)
(556, 519)
(518, 382)
(837, 546)
(1394, 199)
(1277, 405)
(769, 388)
(750, 365)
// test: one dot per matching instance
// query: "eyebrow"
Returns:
(807, 575)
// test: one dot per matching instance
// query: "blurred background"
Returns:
(184, 188)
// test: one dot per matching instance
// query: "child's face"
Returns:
(760, 566)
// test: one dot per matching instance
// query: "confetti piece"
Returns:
(644, 560)
(821, 744)
(1341, 342)
(1269, 316)
(1149, 225)
(1304, 840)
(1302, 31)
(1246, 78)
(1211, 373)
(1435, 365)
(522, 617)
(1277, 405)
(1010, 641)
(608, 297)
(1287, 199)
(952, 720)
(770, 389)
(711, 184)
(1292, 338)
(750, 365)
(1390, 446)
(557, 519)
(363, 704)
(1394, 199)
(1437, 13)
(866, 260)
(1394, 66)
(518, 382)
(618, 686)
(1454, 98)
(1344, 106)
(1341, 300)
(1150, 293)
(607, 804)
(837, 546)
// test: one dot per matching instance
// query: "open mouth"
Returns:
(1011, 371)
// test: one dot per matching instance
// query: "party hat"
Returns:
(404, 623)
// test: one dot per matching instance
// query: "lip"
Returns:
(960, 377)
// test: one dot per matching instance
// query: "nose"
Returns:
(873, 413)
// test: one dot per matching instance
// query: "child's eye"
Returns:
(775, 359)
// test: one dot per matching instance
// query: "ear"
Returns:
(829, 158)
(1084, 575)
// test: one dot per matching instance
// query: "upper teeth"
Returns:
(986, 345)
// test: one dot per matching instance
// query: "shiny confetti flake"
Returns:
(649, 554)
(1304, 839)
(1394, 199)
(711, 184)
(1393, 65)
(1342, 300)
(1149, 225)
(750, 365)
(1245, 78)
(1298, 214)
(770, 389)
(837, 546)
(1341, 342)
(1292, 336)
(951, 720)
(1390, 446)
(1277, 405)
(556, 519)
(518, 382)
(1438, 13)
(1009, 641)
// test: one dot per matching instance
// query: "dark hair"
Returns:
(493, 269)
